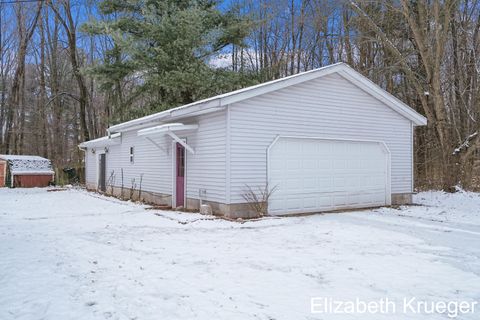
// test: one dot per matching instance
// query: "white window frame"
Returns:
(132, 155)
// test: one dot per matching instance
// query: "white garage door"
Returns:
(313, 175)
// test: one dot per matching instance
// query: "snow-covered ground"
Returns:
(77, 255)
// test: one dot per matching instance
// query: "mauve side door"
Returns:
(180, 176)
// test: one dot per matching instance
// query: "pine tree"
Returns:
(164, 47)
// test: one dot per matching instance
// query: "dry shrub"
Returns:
(257, 198)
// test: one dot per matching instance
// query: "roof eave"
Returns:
(193, 109)
(376, 91)
(220, 102)
(105, 141)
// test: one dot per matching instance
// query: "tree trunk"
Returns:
(70, 28)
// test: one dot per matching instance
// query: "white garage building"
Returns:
(326, 139)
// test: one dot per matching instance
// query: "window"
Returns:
(131, 154)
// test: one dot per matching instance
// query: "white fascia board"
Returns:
(137, 123)
(135, 127)
(166, 128)
(219, 102)
(168, 115)
(170, 129)
(280, 84)
(206, 107)
(33, 172)
(114, 135)
(370, 87)
(89, 143)
(102, 142)
(162, 129)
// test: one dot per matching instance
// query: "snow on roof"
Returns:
(28, 164)
(18, 157)
(102, 142)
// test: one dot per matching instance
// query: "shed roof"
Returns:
(221, 101)
(22, 164)
(102, 142)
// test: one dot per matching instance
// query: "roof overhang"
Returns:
(31, 173)
(379, 93)
(170, 129)
(164, 117)
(106, 141)
(220, 102)
(166, 128)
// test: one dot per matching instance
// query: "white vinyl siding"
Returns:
(152, 165)
(205, 168)
(113, 176)
(90, 168)
(327, 107)
(231, 145)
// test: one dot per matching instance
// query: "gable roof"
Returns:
(14, 157)
(28, 164)
(221, 101)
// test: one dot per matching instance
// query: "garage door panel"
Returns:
(293, 164)
(316, 175)
(324, 202)
(309, 163)
(310, 184)
(324, 184)
(324, 164)
(294, 184)
(309, 202)
(339, 183)
(353, 199)
(377, 199)
(276, 164)
(276, 205)
(294, 203)
(339, 200)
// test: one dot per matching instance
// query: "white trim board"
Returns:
(114, 139)
(170, 129)
(384, 147)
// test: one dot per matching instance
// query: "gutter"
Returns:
(109, 137)
(167, 115)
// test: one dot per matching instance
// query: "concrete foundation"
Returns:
(401, 198)
(91, 187)
(127, 194)
(232, 211)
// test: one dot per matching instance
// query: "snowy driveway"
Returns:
(77, 255)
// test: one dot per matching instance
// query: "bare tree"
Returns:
(63, 12)
(25, 30)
